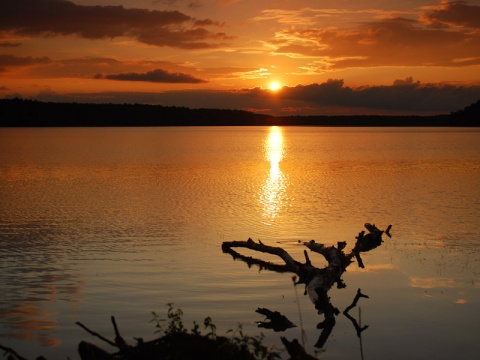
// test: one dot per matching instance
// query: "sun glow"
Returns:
(274, 86)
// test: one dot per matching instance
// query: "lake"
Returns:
(97, 222)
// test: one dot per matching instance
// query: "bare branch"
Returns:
(96, 334)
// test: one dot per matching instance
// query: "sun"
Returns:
(274, 86)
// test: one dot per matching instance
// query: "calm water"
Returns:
(121, 221)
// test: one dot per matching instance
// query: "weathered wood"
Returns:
(318, 281)
(250, 244)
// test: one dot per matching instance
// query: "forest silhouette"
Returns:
(32, 113)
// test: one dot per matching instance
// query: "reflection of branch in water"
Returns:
(318, 281)
(357, 327)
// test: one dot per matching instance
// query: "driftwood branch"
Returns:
(278, 251)
(250, 261)
(318, 281)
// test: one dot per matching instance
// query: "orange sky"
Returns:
(330, 57)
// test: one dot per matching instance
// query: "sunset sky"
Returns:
(284, 57)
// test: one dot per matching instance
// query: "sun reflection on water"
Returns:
(273, 191)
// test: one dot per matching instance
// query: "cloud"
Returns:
(332, 97)
(404, 95)
(104, 67)
(454, 13)
(390, 41)
(189, 3)
(154, 27)
(8, 44)
(157, 76)
(431, 283)
(17, 61)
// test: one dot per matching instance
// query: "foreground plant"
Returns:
(176, 342)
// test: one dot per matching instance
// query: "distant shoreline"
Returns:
(32, 113)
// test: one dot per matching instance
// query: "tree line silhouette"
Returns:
(32, 113)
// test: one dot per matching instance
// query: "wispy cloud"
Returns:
(18, 61)
(433, 37)
(8, 44)
(103, 67)
(431, 283)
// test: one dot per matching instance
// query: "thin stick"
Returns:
(360, 335)
(121, 343)
(299, 312)
(96, 334)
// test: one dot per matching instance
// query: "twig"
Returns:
(359, 259)
(119, 341)
(388, 231)
(307, 259)
(302, 330)
(360, 335)
(96, 334)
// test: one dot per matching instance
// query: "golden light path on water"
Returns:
(273, 191)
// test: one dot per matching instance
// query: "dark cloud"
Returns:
(457, 13)
(332, 97)
(57, 17)
(404, 95)
(158, 76)
(188, 3)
